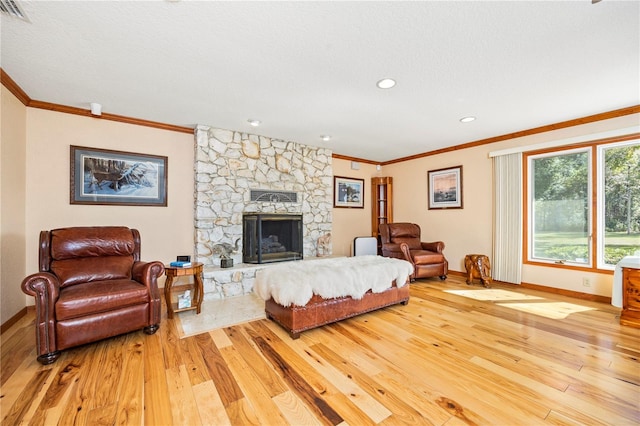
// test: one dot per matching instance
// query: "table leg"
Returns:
(199, 290)
(167, 295)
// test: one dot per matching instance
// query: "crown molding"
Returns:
(17, 91)
(13, 87)
(111, 117)
(360, 160)
(542, 129)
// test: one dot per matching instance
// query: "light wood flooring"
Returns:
(441, 359)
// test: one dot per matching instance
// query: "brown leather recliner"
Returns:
(91, 285)
(402, 240)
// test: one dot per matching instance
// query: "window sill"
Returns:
(567, 266)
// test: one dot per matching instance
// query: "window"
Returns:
(618, 202)
(584, 204)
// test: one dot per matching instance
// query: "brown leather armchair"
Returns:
(91, 285)
(402, 240)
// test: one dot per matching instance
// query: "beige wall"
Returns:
(12, 204)
(469, 230)
(350, 223)
(464, 231)
(165, 231)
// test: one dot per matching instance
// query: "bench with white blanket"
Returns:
(303, 295)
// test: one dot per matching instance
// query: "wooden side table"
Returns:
(173, 272)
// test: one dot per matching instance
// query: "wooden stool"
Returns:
(478, 266)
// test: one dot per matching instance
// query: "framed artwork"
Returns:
(445, 188)
(348, 192)
(107, 177)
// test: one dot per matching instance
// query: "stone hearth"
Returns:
(228, 165)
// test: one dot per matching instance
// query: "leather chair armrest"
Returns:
(391, 247)
(436, 246)
(392, 250)
(407, 253)
(45, 288)
(147, 273)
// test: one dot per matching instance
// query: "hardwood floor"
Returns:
(442, 359)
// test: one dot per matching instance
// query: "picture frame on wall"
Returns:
(445, 188)
(348, 192)
(109, 177)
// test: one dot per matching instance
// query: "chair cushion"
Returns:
(88, 269)
(99, 296)
(426, 257)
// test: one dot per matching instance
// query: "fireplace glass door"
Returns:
(271, 237)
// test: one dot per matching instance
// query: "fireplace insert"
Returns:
(270, 237)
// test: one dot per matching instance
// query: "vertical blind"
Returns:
(507, 227)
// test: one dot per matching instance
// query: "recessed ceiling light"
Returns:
(386, 83)
(254, 123)
(467, 119)
(325, 138)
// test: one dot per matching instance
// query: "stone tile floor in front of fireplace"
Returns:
(220, 313)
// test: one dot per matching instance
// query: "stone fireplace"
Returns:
(230, 166)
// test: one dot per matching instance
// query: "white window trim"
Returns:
(531, 215)
(600, 204)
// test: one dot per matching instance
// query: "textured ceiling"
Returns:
(309, 68)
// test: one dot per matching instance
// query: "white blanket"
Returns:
(296, 282)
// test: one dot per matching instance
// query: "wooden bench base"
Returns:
(318, 311)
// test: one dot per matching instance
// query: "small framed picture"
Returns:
(445, 188)
(348, 192)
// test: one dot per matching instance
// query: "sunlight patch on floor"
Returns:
(492, 294)
(220, 313)
(553, 310)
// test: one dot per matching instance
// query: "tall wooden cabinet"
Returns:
(381, 204)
